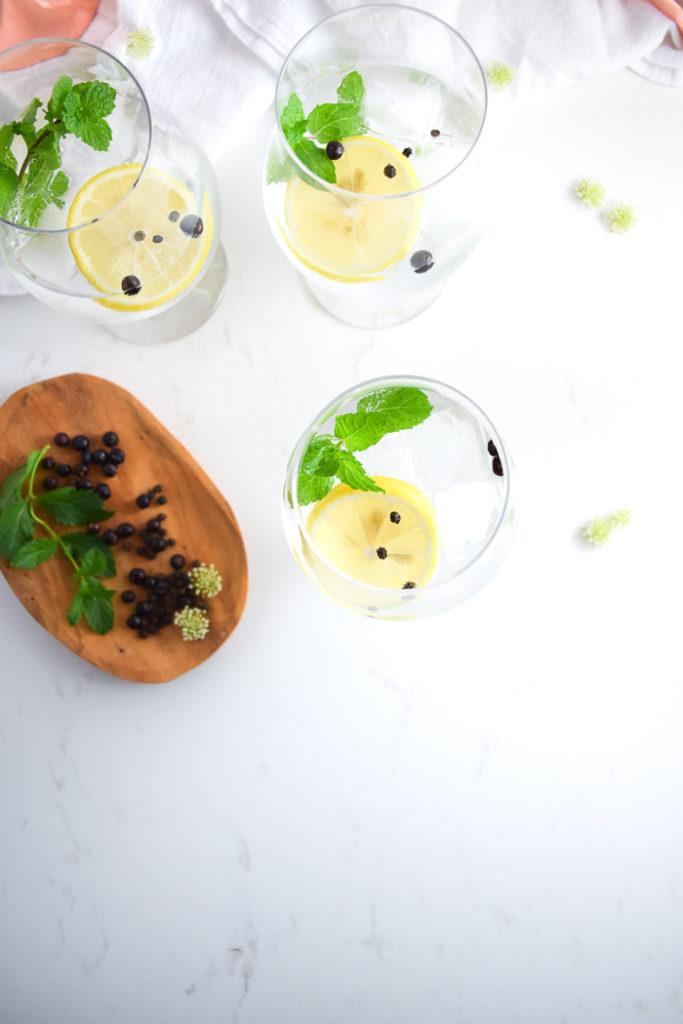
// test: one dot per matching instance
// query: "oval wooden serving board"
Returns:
(197, 516)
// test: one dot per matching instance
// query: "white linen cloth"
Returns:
(214, 63)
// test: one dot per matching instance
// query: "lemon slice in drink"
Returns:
(383, 540)
(150, 242)
(353, 234)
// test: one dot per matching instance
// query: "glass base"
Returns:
(373, 304)
(187, 315)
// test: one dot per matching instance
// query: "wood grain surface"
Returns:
(197, 516)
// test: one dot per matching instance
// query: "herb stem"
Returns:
(36, 518)
(29, 152)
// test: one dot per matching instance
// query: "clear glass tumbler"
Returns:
(395, 520)
(372, 187)
(121, 231)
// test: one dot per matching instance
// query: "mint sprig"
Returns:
(329, 457)
(26, 189)
(327, 122)
(88, 554)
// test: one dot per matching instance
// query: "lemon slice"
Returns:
(352, 235)
(383, 540)
(149, 236)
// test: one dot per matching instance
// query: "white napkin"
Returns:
(214, 63)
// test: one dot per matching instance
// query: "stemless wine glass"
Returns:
(377, 203)
(441, 517)
(131, 238)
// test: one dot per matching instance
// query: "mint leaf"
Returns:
(79, 544)
(7, 157)
(84, 110)
(315, 159)
(74, 508)
(95, 601)
(380, 413)
(351, 89)
(62, 88)
(76, 610)
(351, 472)
(10, 491)
(312, 487)
(98, 606)
(94, 564)
(318, 469)
(330, 121)
(16, 528)
(293, 120)
(34, 552)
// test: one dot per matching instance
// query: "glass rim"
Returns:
(71, 43)
(331, 186)
(394, 380)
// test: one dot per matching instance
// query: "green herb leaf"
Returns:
(351, 89)
(316, 159)
(79, 544)
(74, 508)
(94, 564)
(16, 528)
(9, 183)
(333, 121)
(351, 472)
(84, 109)
(380, 413)
(76, 610)
(60, 91)
(34, 552)
(318, 469)
(10, 491)
(98, 607)
(293, 120)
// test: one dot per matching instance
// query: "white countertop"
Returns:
(472, 819)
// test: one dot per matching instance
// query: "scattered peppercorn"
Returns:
(125, 529)
(157, 238)
(131, 285)
(139, 236)
(173, 215)
(63, 469)
(110, 537)
(334, 149)
(395, 517)
(409, 585)
(435, 133)
(142, 501)
(110, 438)
(128, 596)
(104, 491)
(422, 261)
(192, 225)
(116, 456)
(50, 482)
(497, 466)
(407, 151)
(382, 553)
(492, 450)
(390, 171)
(109, 469)
(61, 440)
(49, 462)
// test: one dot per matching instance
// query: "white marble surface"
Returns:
(474, 819)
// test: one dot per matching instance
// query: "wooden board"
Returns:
(197, 516)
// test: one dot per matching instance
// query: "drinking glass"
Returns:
(447, 517)
(377, 244)
(133, 241)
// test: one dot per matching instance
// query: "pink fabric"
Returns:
(672, 10)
